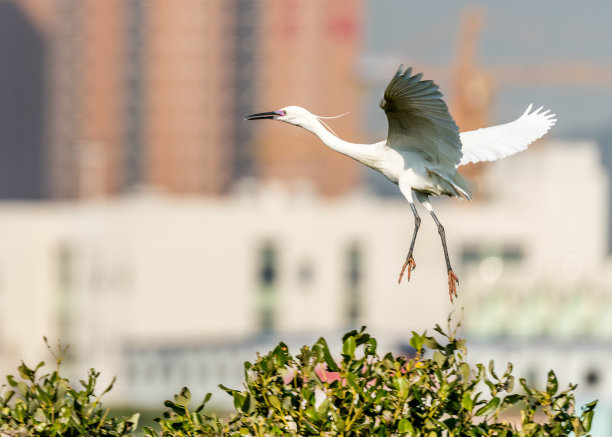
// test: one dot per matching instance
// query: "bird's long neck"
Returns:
(360, 152)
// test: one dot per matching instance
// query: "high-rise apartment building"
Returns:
(122, 94)
(308, 58)
(22, 103)
(154, 97)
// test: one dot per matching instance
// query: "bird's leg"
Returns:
(453, 281)
(410, 264)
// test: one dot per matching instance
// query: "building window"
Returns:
(354, 261)
(592, 378)
(474, 254)
(305, 274)
(267, 276)
(491, 260)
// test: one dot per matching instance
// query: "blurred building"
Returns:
(22, 104)
(102, 98)
(308, 58)
(165, 291)
(145, 93)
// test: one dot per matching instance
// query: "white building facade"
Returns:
(150, 288)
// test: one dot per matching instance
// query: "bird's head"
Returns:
(295, 115)
(291, 114)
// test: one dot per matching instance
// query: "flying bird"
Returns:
(424, 147)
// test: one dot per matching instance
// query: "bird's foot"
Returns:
(453, 281)
(411, 266)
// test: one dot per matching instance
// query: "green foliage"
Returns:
(178, 420)
(47, 405)
(436, 393)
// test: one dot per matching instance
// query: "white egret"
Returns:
(424, 147)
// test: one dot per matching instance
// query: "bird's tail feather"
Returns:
(458, 182)
(462, 184)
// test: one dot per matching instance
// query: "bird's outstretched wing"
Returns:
(419, 120)
(491, 143)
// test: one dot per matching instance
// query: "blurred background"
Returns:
(166, 240)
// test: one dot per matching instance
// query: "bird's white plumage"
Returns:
(496, 142)
(420, 124)
(419, 119)
(424, 147)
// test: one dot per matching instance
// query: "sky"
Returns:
(520, 33)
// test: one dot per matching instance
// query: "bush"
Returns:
(47, 405)
(433, 394)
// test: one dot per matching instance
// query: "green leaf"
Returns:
(149, 432)
(416, 393)
(511, 400)
(551, 385)
(489, 407)
(43, 395)
(8, 396)
(178, 409)
(349, 346)
(371, 346)
(183, 397)
(402, 386)
(417, 341)
(432, 344)
(526, 387)
(11, 380)
(134, 419)
(238, 400)
(248, 406)
(509, 369)
(228, 390)
(23, 389)
(19, 412)
(492, 387)
(324, 350)
(312, 414)
(323, 409)
(404, 426)
(439, 330)
(465, 371)
(352, 333)
(461, 345)
(439, 358)
(287, 402)
(587, 419)
(274, 401)
(26, 372)
(204, 402)
(492, 370)
(467, 402)
(509, 383)
(281, 352)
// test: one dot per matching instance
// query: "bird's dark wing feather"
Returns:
(419, 120)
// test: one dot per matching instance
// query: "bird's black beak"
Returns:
(262, 116)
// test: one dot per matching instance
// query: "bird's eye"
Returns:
(281, 112)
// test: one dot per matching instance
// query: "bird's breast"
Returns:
(391, 164)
